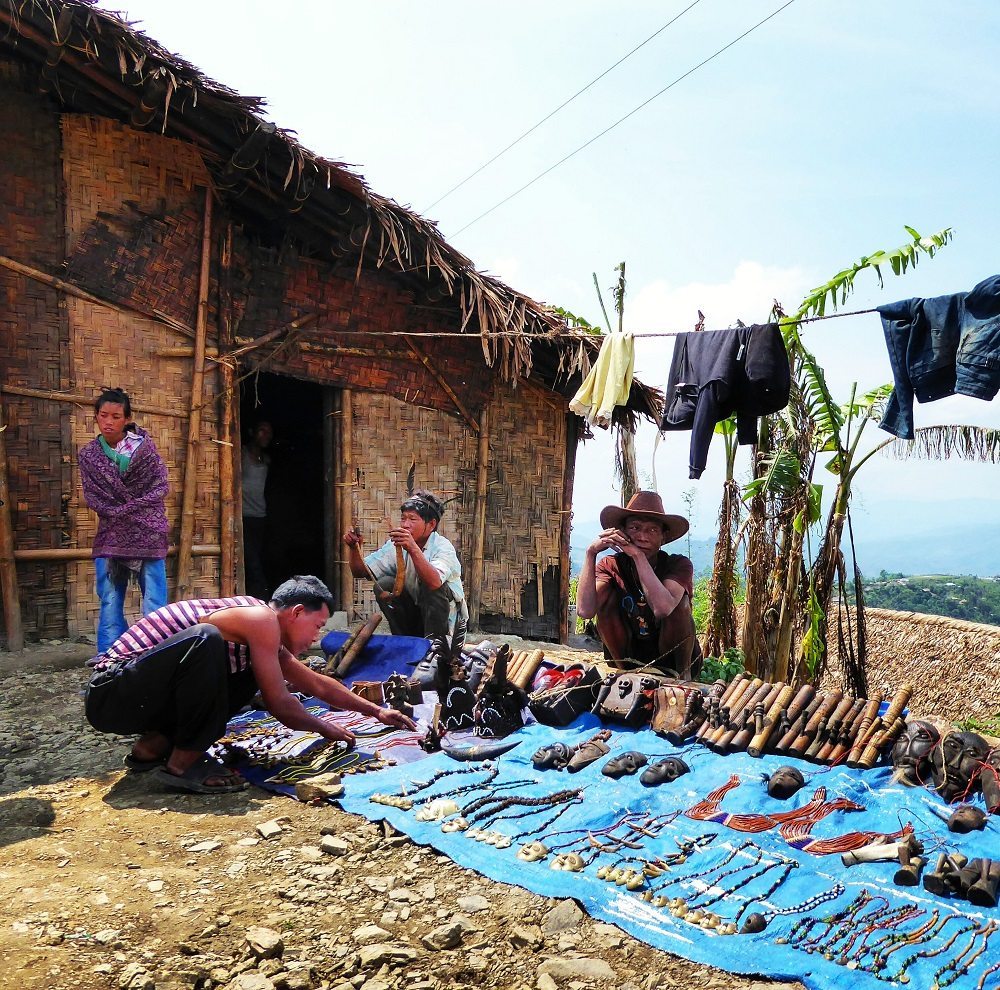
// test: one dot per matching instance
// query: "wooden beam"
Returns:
(8, 572)
(439, 378)
(70, 289)
(346, 490)
(185, 572)
(229, 447)
(331, 504)
(85, 553)
(566, 524)
(479, 518)
(78, 398)
(266, 338)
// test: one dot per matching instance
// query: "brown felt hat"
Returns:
(645, 505)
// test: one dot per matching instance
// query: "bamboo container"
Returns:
(763, 733)
(840, 745)
(838, 725)
(721, 738)
(882, 739)
(812, 727)
(827, 728)
(880, 726)
(359, 642)
(869, 716)
(719, 695)
(798, 725)
(728, 703)
(527, 670)
(748, 726)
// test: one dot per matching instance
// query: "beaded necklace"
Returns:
(887, 918)
(987, 973)
(759, 920)
(901, 975)
(889, 943)
(796, 937)
(405, 801)
(986, 931)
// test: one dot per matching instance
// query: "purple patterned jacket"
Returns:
(132, 516)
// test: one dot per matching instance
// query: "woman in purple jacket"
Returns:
(125, 483)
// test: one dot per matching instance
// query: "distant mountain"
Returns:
(584, 533)
(946, 548)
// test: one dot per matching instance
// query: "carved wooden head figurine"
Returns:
(957, 763)
(784, 782)
(911, 756)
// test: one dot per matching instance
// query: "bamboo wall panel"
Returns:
(953, 665)
(111, 173)
(32, 335)
(387, 436)
(524, 499)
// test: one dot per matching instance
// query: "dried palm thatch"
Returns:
(94, 62)
(954, 665)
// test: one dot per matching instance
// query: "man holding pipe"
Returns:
(641, 595)
(179, 674)
(430, 601)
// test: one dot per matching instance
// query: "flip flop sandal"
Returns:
(193, 779)
(141, 766)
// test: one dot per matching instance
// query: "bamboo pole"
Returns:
(185, 573)
(479, 517)
(337, 497)
(228, 449)
(72, 290)
(440, 379)
(566, 526)
(8, 570)
(346, 489)
(331, 536)
(78, 398)
(84, 553)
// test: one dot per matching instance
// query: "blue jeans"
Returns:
(111, 622)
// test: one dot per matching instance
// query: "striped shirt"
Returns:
(153, 629)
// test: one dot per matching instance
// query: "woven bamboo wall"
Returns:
(953, 665)
(388, 435)
(33, 335)
(523, 512)
(117, 179)
(524, 494)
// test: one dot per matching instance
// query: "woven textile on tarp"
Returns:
(745, 865)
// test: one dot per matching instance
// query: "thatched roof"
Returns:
(91, 61)
(953, 665)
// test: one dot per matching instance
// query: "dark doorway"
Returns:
(293, 535)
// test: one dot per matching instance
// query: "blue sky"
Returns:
(806, 145)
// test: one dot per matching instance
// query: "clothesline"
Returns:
(581, 332)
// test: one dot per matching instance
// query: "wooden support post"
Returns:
(331, 503)
(8, 570)
(346, 497)
(475, 588)
(440, 379)
(185, 571)
(230, 445)
(540, 561)
(569, 473)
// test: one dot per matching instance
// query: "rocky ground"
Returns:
(107, 882)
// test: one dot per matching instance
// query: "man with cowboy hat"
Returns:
(641, 595)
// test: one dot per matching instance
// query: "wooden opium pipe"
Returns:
(868, 719)
(826, 736)
(782, 703)
(812, 727)
(745, 701)
(360, 642)
(798, 724)
(748, 718)
(845, 738)
(879, 742)
(724, 701)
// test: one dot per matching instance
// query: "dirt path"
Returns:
(107, 882)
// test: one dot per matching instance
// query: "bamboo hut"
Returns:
(159, 234)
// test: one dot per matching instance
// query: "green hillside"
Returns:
(959, 597)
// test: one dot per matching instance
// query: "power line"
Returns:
(621, 120)
(561, 106)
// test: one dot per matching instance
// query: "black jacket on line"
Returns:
(715, 373)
